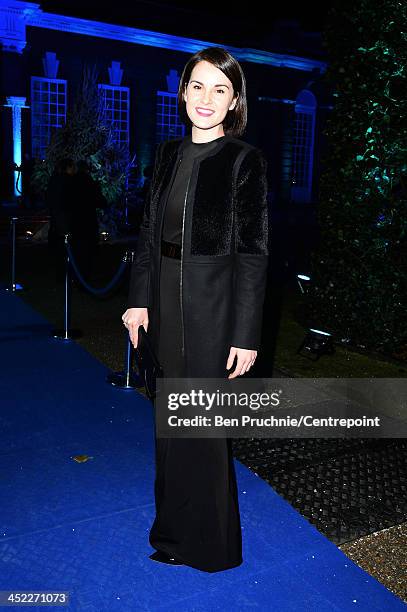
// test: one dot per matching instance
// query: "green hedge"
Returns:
(359, 271)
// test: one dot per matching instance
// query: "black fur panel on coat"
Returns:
(212, 226)
(251, 205)
(225, 203)
(212, 213)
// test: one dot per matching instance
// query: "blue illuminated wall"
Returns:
(144, 73)
(48, 111)
(116, 106)
(150, 64)
(168, 123)
(303, 147)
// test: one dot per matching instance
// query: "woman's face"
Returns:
(208, 96)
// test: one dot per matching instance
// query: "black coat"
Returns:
(224, 256)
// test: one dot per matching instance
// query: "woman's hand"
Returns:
(132, 319)
(245, 360)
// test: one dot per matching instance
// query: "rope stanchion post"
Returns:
(100, 290)
(126, 379)
(67, 333)
(13, 285)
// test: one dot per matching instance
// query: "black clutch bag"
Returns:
(147, 363)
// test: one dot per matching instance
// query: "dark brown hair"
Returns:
(235, 120)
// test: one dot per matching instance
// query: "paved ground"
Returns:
(328, 481)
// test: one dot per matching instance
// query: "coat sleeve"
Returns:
(251, 250)
(139, 291)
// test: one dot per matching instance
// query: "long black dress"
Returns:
(197, 512)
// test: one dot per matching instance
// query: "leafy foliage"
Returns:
(359, 270)
(89, 135)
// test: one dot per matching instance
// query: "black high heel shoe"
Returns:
(162, 557)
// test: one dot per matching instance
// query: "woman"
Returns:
(197, 286)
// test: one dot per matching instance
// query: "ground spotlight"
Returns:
(303, 281)
(316, 343)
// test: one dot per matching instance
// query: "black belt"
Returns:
(171, 249)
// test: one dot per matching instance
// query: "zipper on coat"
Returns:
(159, 240)
(180, 282)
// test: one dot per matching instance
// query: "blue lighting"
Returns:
(380, 220)
(303, 148)
(87, 27)
(16, 103)
(48, 111)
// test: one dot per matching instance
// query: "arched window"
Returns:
(303, 148)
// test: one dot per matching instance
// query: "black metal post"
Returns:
(67, 333)
(126, 379)
(13, 285)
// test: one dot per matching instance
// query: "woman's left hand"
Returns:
(245, 360)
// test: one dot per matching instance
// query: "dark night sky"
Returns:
(211, 21)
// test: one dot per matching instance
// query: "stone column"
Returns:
(16, 103)
(14, 15)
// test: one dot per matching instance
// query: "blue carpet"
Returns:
(83, 527)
